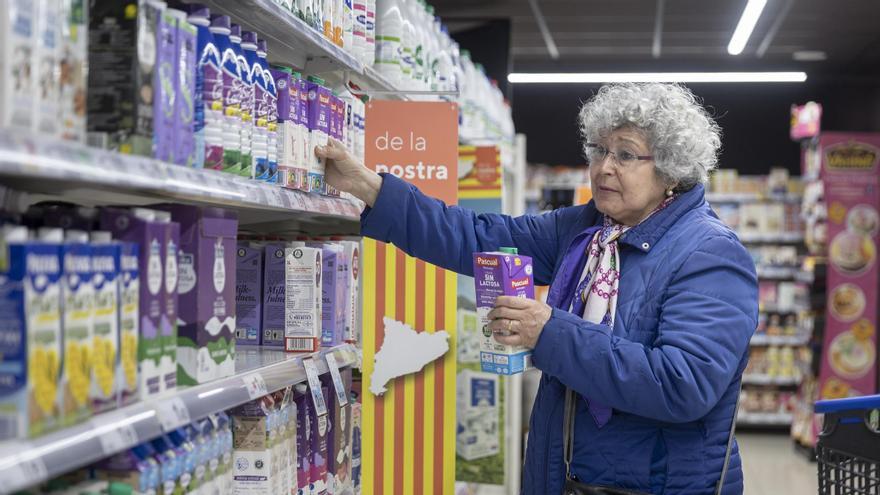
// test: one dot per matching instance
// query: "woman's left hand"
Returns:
(518, 321)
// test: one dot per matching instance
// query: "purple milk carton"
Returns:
(273, 296)
(319, 130)
(320, 426)
(129, 321)
(165, 88)
(305, 154)
(287, 127)
(206, 291)
(185, 47)
(303, 439)
(248, 296)
(339, 458)
(170, 300)
(503, 273)
(139, 226)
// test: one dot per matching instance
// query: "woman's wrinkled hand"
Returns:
(518, 321)
(347, 174)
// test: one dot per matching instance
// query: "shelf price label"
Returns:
(19, 468)
(116, 431)
(315, 386)
(256, 385)
(341, 393)
(173, 414)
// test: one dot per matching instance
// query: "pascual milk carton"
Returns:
(478, 403)
(502, 273)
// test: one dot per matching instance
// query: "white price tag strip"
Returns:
(116, 431)
(341, 392)
(256, 385)
(19, 468)
(173, 414)
(315, 386)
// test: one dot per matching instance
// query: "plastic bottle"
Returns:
(47, 77)
(247, 103)
(418, 43)
(348, 25)
(359, 30)
(370, 50)
(258, 168)
(221, 27)
(327, 18)
(389, 38)
(442, 62)
(407, 45)
(208, 121)
(271, 104)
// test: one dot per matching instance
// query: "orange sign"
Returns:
(416, 141)
(408, 433)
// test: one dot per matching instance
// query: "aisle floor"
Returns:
(772, 467)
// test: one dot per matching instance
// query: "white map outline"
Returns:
(405, 351)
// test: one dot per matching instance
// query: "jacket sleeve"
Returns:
(447, 236)
(706, 321)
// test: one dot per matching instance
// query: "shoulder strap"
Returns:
(568, 435)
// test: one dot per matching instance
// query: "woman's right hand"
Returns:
(347, 174)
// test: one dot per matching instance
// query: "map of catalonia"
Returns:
(405, 351)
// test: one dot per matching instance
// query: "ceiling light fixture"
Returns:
(745, 26)
(661, 77)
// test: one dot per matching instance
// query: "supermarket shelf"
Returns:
(763, 419)
(780, 340)
(780, 237)
(770, 380)
(26, 463)
(778, 272)
(774, 308)
(93, 177)
(370, 79)
(804, 276)
(752, 198)
(290, 39)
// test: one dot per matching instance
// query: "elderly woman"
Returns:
(652, 302)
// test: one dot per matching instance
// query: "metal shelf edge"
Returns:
(71, 448)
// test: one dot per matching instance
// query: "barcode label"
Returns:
(172, 413)
(301, 344)
(20, 467)
(315, 386)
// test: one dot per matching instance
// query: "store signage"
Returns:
(805, 120)
(408, 432)
(479, 172)
(852, 192)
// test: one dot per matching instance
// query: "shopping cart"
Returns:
(848, 448)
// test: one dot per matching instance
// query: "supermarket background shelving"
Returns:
(258, 371)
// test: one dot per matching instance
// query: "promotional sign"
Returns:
(408, 435)
(805, 120)
(480, 434)
(849, 352)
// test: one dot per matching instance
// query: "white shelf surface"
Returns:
(29, 462)
(763, 419)
(753, 379)
(95, 177)
(779, 237)
(780, 340)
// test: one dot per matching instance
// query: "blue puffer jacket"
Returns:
(671, 366)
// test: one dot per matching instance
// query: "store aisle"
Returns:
(772, 467)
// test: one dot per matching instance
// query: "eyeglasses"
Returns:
(596, 153)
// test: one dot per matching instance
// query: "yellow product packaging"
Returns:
(30, 337)
(129, 322)
(105, 324)
(78, 307)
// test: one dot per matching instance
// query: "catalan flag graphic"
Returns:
(409, 431)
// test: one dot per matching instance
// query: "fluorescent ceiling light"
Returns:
(746, 24)
(663, 77)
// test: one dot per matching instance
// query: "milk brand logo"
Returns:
(103, 264)
(851, 156)
(487, 261)
(518, 284)
(77, 264)
(323, 99)
(42, 264)
(129, 263)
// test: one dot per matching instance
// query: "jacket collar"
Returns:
(646, 234)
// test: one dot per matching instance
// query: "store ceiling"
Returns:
(619, 34)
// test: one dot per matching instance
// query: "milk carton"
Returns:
(303, 439)
(355, 439)
(352, 291)
(208, 115)
(233, 84)
(288, 118)
(185, 46)
(270, 103)
(248, 297)
(78, 308)
(165, 87)
(339, 455)
(478, 403)
(320, 425)
(129, 322)
(73, 61)
(253, 442)
(273, 295)
(124, 84)
(139, 226)
(303, 298)
(501, 274)
(247, 89)
(48, 75)
(30, 337)
(170, 299)
(18, 38)
(105, 356)
(319, 131)
(332, 297)
(305, 154)
(206, 293)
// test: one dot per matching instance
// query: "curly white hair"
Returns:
(682, 135)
